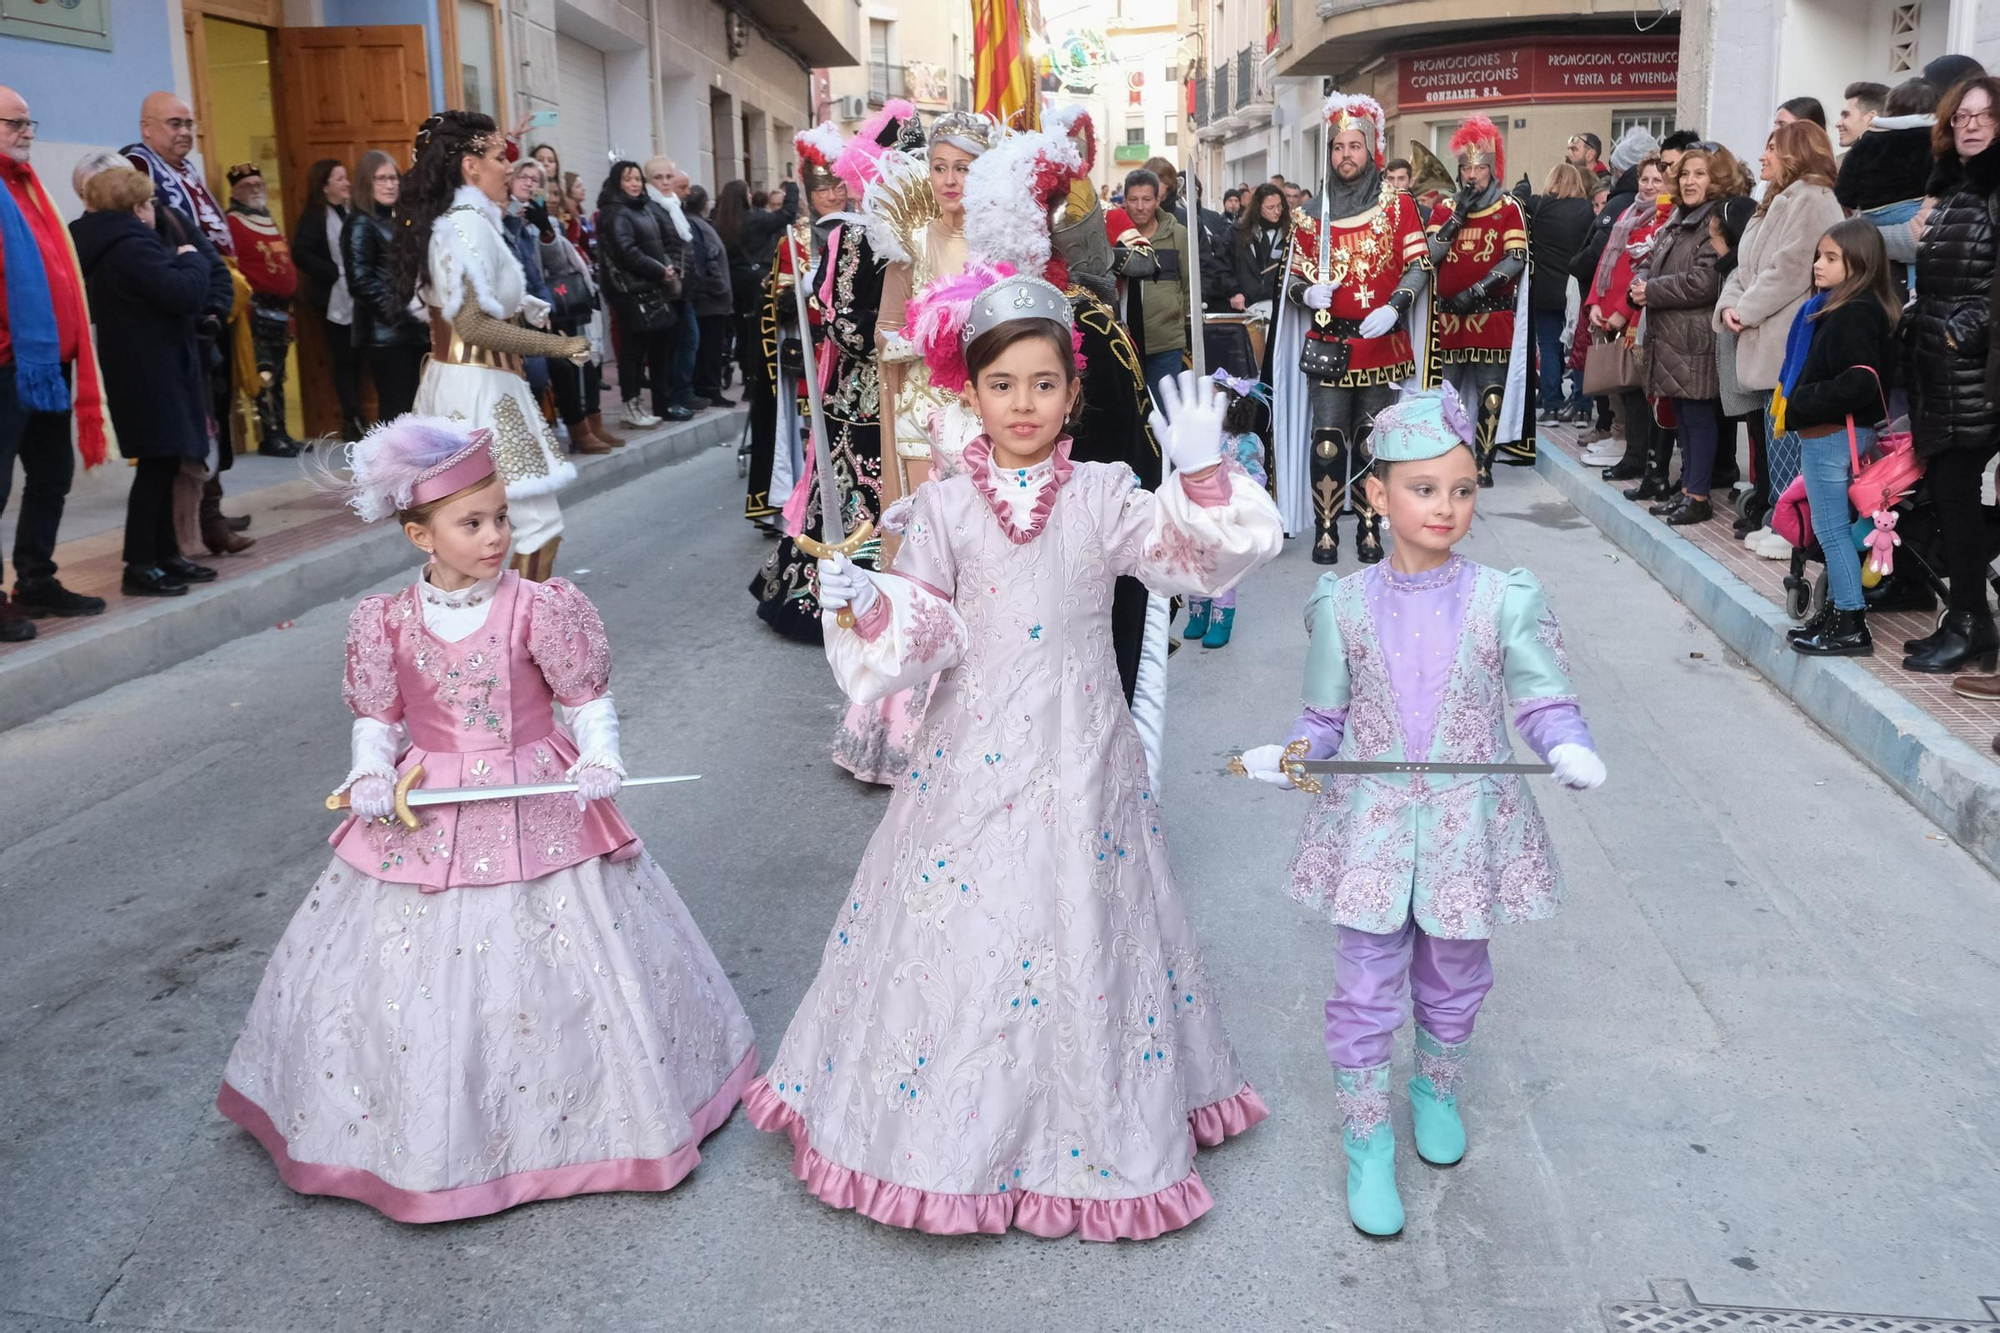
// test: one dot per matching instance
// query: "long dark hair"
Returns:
(428, 186)
(612, 192)
(731, 207)
(1867, 261)
(1253, 214)
(316, 178)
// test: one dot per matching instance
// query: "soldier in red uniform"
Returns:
(265, 261)
(1479, 247)
(1358, 268)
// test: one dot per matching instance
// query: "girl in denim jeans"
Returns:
(1836, 362)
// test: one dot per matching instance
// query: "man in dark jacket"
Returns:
(713, 299)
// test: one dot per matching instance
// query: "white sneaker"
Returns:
(1755, 539)
(1774, 547)
(1604, 452)
(637, 416)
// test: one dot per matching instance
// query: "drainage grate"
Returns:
(1673, 1309)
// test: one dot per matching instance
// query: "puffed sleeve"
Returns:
(567, 640)
(1326, 683)
(370, 688)
(1536, 667)
(912, 632)
(1193, 538)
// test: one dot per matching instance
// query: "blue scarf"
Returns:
(31, 314)
(1798, 341)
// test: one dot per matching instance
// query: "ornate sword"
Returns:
(833, 536)
(1300, 769)
(410, 797)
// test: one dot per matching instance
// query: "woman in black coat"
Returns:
(643, 286)
(316, 247)
(146, 301)
(1559, 221)
(1953, 364)
(1260, 240)
(391, 338)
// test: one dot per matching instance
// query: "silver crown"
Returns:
(1015, 298)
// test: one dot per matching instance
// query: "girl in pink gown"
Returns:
(1011, 1024)
(509, 1001)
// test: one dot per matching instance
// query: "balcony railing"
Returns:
(886, 81)
(1200, 99)
(1244, 77)
(1220, 102)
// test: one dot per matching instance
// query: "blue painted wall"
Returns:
(92, 97)
(361, 13)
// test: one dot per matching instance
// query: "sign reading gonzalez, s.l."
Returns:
(1549, 69)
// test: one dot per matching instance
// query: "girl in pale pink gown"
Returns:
(1011, 1024)
(507, 1001)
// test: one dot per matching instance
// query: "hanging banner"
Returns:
(1576, 69)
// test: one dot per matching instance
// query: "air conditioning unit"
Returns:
(850, 108)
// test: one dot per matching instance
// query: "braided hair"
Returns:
(442, 141)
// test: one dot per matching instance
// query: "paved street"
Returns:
(1756, 1051)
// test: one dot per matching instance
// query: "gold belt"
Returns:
(448, 347)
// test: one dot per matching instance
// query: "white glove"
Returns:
(843, 584)
(1319, 296)
(595, 784)
(1262, 762)
(1192, 426)
(372, 798)
(1577, 766)
(1380, 320)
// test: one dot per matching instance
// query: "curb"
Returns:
(1948, 780)
(38, 679)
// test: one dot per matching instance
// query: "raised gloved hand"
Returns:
(1319, 296)
(597, 784)
(372, 798)
(843, 584)
(1577, 766)
(1262, 762)
(1380, 320)
(1191, 429)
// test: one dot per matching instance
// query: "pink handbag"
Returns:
(1892, 470)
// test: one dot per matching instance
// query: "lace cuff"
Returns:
(595, 727)
(374, 746)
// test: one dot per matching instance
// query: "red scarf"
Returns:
(87, 399)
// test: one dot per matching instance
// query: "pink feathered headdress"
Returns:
(857, 162)
(936, 318)
(406, 461)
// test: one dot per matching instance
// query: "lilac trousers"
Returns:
(1375, 979)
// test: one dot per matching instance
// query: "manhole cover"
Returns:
(1673, 1309)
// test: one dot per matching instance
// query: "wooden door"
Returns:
(343, 91)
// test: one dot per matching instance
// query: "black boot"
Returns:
(1368, 540)
(1625, 469)
(1689, 512)
(1486, 432)
(1845, 634)
(1654, 487)
(1328, 477)
(1965, 636)
(1666, 506)
(1816, 623)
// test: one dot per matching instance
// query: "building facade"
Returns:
(914, 49)
(1543, 70)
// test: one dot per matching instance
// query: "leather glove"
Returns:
(1380, 320)
(1965, 328)
(1461, 303)
(843, 584)
(596, 784)
(372, 798)
(1262, 763)
(1319, 296)
(1577, 766)
(1192, 426)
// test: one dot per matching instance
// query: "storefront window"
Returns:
(477, 63)
(1659, 124)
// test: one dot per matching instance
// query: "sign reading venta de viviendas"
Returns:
(1577, 69)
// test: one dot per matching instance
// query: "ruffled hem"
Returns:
(450, 1205)
(1045, 1215)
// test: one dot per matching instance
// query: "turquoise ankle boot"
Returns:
(1372, 1202)
(1433, 1104)
(1218, 628)
(1197, 621)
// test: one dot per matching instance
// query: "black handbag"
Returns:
(1323, 360)
(641, 307)
(573, 301)
(792, 358)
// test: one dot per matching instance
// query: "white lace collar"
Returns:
(476, 595)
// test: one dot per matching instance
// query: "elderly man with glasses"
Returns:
(47, 374)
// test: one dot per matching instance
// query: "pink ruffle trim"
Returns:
(492, 1196)
(1043, 1215)
(979, 462)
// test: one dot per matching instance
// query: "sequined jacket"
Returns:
(480, 713)
(1461, 854)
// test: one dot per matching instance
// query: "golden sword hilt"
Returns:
(1291, 765)
(819, 550)
(343, 800)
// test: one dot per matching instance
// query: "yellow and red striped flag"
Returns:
(1003, 72)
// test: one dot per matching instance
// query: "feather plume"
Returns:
(1073, 122)
(820, 145)
(937, 314)
(1480, 132)
(388, 460)
(898, 205)
(1359, 104)
(858, 162)
(1008, 194)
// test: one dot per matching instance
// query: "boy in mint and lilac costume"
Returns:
(1417, 870)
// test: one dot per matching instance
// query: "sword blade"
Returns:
(453, 795)
(1413, 766)
(832, 525)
